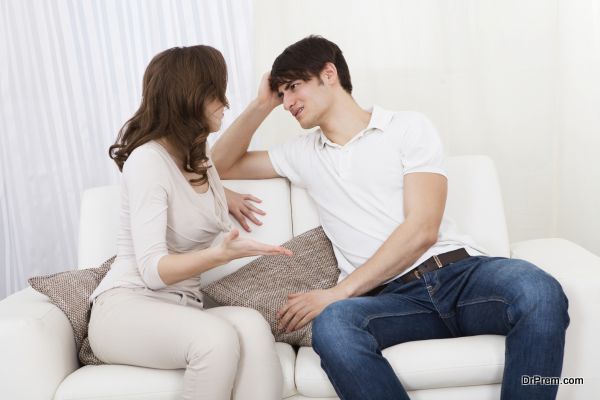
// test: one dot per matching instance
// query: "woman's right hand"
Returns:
(233, 246)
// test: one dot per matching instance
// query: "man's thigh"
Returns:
(488, 289)
(401, 313)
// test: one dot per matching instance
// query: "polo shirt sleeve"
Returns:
(286, 159)
(146, 182)
(421, 147)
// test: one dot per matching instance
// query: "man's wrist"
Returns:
(262, 106)
(343, 291)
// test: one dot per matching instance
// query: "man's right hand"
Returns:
(233, 247)
(265, 95)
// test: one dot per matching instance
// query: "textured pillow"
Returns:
(70, 291)
(265, 283)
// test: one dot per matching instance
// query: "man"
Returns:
(380, 188)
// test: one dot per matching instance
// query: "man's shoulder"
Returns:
(405, 116)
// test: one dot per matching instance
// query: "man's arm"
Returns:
(230, 153)
(424, 203)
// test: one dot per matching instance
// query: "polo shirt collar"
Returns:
(380, 120)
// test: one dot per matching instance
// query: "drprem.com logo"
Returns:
(550, 380)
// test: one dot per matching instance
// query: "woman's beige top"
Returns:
(162, 214)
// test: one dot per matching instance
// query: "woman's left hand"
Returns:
(240, 207)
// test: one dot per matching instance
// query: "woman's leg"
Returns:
(128, 327)
(259, 370)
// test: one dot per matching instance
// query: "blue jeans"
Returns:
(474, 296)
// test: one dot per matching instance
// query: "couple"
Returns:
(378, 181)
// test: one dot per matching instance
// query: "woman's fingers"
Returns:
(255, 209)
(248, 214)
(241, 219)
(253, 198)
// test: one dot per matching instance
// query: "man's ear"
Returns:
(329, 73)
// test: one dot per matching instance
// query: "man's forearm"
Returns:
(404, 246)
(234, 142)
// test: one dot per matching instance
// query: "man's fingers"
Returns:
(289, 314)
(305, 320)
(299, 316)
(285, 320)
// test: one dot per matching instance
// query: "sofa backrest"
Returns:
(474, 203)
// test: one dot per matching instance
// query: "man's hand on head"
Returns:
(301, 308)
(265, 95)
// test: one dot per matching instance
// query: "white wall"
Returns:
(497, 78)
(579, 145)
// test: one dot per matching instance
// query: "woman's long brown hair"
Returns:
(177, 84)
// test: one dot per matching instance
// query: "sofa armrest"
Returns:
(37, 347)
(578, 271)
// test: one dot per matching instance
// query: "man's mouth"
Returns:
(298, 111)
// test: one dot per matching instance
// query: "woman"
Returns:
(148, 309)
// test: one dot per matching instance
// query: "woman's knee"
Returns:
(246, 320)
(216, 343)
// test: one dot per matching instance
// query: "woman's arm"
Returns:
(174, 268)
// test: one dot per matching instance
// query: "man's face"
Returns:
(307, 101)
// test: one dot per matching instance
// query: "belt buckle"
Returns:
(437, 261)
(416, 273)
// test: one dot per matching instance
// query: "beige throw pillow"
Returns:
(265, 283)
(70, 291)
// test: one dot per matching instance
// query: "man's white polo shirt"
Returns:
(358, 187)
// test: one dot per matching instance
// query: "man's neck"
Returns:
(344, 120)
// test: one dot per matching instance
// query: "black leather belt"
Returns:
(433, 263)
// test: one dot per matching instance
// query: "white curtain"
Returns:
(71, 73)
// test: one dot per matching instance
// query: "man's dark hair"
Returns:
(305, 59)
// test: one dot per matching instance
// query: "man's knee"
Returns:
(329, 326)
(541, 296)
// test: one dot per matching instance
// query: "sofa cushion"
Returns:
(70, 291)
(124, 382)
(425, 364)
(265, 283)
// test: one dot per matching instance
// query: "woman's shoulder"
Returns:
(146, 160)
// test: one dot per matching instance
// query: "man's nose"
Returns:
(288, 102)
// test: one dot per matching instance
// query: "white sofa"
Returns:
(38, 360)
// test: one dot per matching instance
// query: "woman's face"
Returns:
(214, 111)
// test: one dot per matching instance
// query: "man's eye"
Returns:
(293, 86)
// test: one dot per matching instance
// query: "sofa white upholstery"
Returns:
(38, 350)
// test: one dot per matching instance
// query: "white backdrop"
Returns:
(515, 79)
(518, 80)
(71, 73)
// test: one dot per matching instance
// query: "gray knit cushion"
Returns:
(70, 291)
(265, 283)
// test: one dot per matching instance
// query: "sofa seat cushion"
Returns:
(124, 382)
(426, 364)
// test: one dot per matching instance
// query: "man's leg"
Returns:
(511, 297)
(350, 334)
